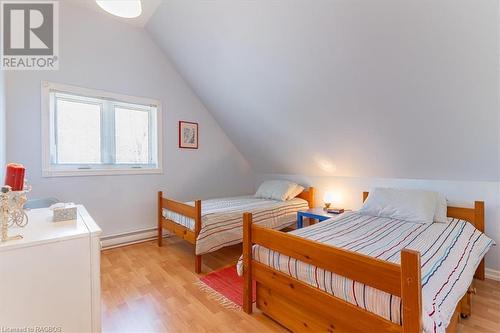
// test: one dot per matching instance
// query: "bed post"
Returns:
(160, 216)
(247, 263)
(479, 224)
(411, 291)
(197, 229)
(311, 197)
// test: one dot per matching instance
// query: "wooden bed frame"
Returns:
(303, 308)
(194, 212)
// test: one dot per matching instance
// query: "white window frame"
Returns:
(50, 169)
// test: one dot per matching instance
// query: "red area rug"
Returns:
(225, 286)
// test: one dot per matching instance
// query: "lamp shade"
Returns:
(328, 197)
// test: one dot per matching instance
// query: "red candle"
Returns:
(14, 176)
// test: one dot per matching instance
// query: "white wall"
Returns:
(342, 93)
(386, 88)
(100, 53)
(461, 193)
(2, 125)
(313, 90)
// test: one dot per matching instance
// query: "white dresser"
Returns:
(50, 279)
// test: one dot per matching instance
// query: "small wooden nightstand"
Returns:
(317, 213)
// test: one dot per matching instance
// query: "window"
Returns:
(90, 132)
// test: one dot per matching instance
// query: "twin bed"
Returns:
(360, 273)
(355, 273)
(219, 222)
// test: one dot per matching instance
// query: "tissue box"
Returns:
(64, 214)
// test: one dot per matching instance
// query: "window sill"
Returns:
(100, 172)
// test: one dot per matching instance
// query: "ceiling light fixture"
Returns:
(121, 8)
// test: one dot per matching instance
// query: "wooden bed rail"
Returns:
(193, 212)
(400, 280)
(308, 195)
(374, 272)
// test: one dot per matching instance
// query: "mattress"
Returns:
(222, 219)
(450, 253)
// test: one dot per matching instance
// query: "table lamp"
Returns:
(328, 199)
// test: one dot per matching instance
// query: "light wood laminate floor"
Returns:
(150, 289)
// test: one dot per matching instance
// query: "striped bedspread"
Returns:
(222, 219)
(450, 253)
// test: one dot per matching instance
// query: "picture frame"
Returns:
(188, 135)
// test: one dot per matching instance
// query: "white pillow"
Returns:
(441, 213)
(275, 189)
(409, 205)
(295, 192)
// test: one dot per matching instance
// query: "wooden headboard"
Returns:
(308, 195)
(473, 215)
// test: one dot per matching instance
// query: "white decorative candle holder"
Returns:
(12, 211)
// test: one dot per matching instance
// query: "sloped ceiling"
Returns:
(385, 88)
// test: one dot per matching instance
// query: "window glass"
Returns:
(78, 132)
(132, 136)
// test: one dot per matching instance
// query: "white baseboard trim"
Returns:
(128, 238)
(492, 274)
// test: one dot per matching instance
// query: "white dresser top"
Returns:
(41, 229)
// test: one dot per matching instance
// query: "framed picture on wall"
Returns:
(188, 135)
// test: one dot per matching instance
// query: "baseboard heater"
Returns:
(128, 238)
